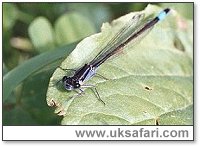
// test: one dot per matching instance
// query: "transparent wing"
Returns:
(120, 35)
(124, 34)
(130, 24)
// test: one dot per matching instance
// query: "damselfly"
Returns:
(122, 38)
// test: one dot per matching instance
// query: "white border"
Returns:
(196, 94)
(97, 1)
(69, 132)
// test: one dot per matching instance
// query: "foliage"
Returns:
(35, 41)
(140, 89)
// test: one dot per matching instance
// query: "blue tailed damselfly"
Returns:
(86, 72)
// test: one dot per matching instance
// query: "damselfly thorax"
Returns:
(140, 27)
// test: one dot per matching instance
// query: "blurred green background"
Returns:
(36, 38)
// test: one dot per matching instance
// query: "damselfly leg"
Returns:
(79, 93)
(94, 89)
(66, 69)
(134, 30)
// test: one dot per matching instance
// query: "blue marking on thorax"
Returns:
(90, 74)
(162, 15)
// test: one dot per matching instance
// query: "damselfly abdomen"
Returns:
(140, 27)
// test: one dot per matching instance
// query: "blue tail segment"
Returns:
(163, 14)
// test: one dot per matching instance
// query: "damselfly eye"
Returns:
(68, 86)
(64, 78)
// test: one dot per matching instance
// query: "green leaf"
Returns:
(33, 98)
(97, 13)
(10, 15)
(138, 6)
(27, 106)
(181, 117)
(72, 27)
(17, 116)
(20, 73)
(149, 81)
(42, 34)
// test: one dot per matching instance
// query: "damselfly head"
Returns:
(70, 83)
